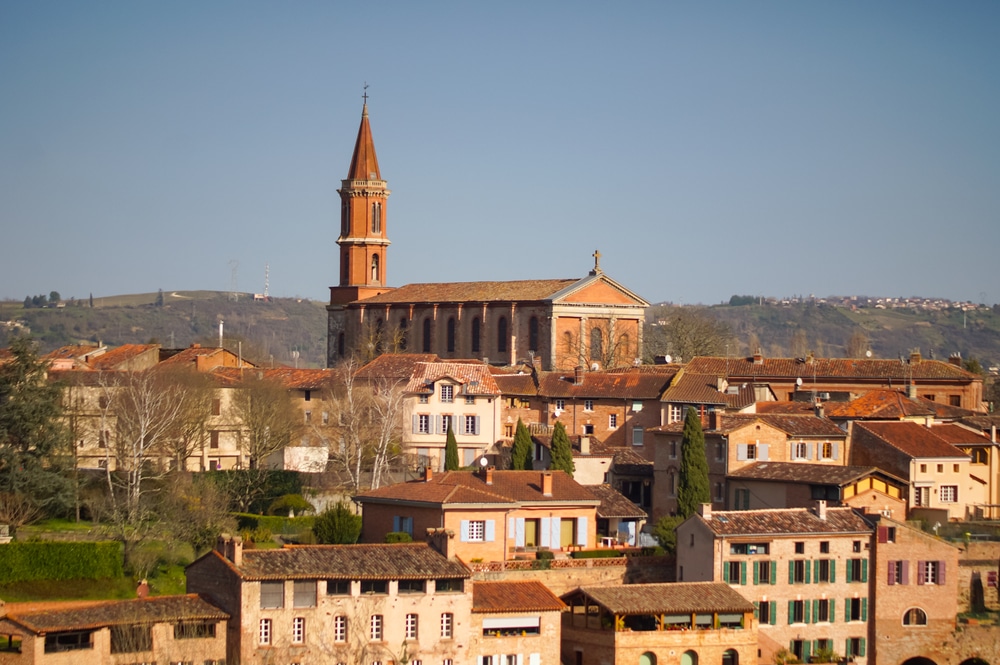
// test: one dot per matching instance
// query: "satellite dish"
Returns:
(483, 461)
(798, 381)
(668, 359)
(868, 353)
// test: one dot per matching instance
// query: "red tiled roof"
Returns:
(453, 487)
(112, 358)
(688, 388)
(604, 385)
(878, 404)
(784, 521)
(908, 437)
(289, 377)
(800, 472)
(522, 385)
(455, 292)
(788, 408)
(72, 351)
(397, 561)
(523, 596)
(394, 366)
(827, 368)
(960, 436)
(674, 598)
(476, 379)
(795, 425)
(614, 504)
(99, 614)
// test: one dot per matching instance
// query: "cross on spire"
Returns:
(365, 96)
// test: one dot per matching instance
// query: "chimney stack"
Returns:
(993, 433)
(955, 359)
(915, 357)
(546, 483)
(911, 390)
(821, 509)
(440, 539)
(820, 411)
(715, 420)
(231, 547)
(584, 445)
(578, 375)
(428, 474)
(488, 473)
(705, 510)
(758, 357)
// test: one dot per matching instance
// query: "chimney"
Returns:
(195, 345)
(142, 590)
(705, 510)
(715, 420)
(758, 357)
(993, 433)
(440, 539)
(820, 410)
(546, 483)
(578, 375)
(821, 509)
(915, 357)
(428, 474)
(584, 445)
(231, 547)
(955, 359)
(911, 390)
(488, 473)
(928, 421)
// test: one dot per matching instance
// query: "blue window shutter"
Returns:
(464, 531)
(491, 531)
(519, 532)
(581, 531)
(546, 529)
(556, 539)
(395, 522)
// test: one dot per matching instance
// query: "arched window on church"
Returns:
(596, 344)
(345, 227)
(376, 218)
(914, 617)
(451, 335)
(340, 345)
(568, 342)
(476, 331)
(427, 336)
(379, 337)
(623, 350)
(375, 272)
(345, 269)
(502, 334)
(402, 334)
(533, 333)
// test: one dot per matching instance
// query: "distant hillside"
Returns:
(275, 328)
(891, 332)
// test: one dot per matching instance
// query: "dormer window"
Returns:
(447, 393)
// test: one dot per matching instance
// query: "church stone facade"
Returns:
(592, 322)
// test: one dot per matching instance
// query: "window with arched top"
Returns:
(648, 658)
(376, 218)
(568, 342)
(451, 335)
(596, 344)
(345, 211)
(689, 658)
(533, 333)
(476, 333)
(731, 657)
(402, 333)
(915, 617)
(426, 336)
(340, 345)
(502, 334)
(375, 270)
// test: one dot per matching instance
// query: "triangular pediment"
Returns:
(598, 289)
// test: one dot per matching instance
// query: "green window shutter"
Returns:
(806, 614)
(864, 609)
(791, 611)
(833, 610)
(805, 651)
(847, 609)
(864, 570)
(833, 571)
(847, 648)
(756, 610)
(815, 646)
(850, 571)
(756, 572)
(725, 571)
(791, 572)
(774, 572)
(862, 647)
(815, 611)
(743, 573)
(808, 567)
(774, 612)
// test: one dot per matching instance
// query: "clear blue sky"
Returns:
(706, 148)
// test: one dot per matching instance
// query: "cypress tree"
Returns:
(692, 490)
(451, 452)
(562, 451)
(521, 453)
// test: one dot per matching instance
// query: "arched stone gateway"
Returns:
(974, 661)
(918, 660)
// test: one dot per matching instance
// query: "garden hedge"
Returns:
(28, 561)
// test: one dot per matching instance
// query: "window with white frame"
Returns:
(264, 638)
(929, 572)
(340, 628)
(469, 400)
(949, 493)
(447, 393)
(800, 450)
(423, 424)
(375, 628)
(298, 630)
(560, 405)
(477, 531)
(471, 425)
(588, 405)
(613, 421)
(411, 626)
(675, 413)
(447, 625)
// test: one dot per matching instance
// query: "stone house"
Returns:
(335, 603)
(515, 623)
(116, 632)
(687, 623)
(490, 515)
(805, 571)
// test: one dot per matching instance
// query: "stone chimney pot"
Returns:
(547, 483)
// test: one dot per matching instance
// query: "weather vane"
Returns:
(365, 96)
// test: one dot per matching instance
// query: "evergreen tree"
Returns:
(451, 451)
(562, 451)
(520, 456)
(693, 487)
(337, 526)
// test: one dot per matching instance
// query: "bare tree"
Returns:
(269, 418)
(798, 347)
(188, 434)
(378, 337)
(858, 345)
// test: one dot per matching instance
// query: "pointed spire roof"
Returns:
(364, 163)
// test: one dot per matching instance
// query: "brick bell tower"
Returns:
(362, 240)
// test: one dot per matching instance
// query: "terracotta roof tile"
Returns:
(960, 436)
(522, 385)
(101, 614)
(395, 366)
(507, 487)
(630, 463)
(908, 437)
(523, 596)
(629, 384)
(456, 292)
(112, 358)
(878, 404)
(397, 561)
(798, 472)
(787, 408)
(614, 504)
(476, 379)
(291, 378)
(784, 521)
(827, 368)
(676, 598)
(688, 388)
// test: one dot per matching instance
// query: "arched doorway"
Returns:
(689, 658)
(919, 660)
(974, 661)
(731, 657)
(648, 658)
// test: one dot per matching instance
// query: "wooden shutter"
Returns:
(581, 531)
(892, 570)
(741, 452)
(921, 578)
(883, 534)
(464, 531)
(833, 610)
(864, 570)
(904, 577)
(940, 572)
(762, 452)
(756, 573)
(743, 573)
(491, 530)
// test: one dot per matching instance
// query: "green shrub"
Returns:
(543, 555)
(596, 554)
(290, 502)
(338, 526)
(274, 523)
(48, 560)
(398, 537)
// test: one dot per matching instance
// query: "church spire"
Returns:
(364, 163)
